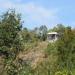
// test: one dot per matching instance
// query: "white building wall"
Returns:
(52, 36)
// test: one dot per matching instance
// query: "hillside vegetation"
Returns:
(28, 52)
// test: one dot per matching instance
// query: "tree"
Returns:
(60, 29)
(10, 41)
(54, 29)
(43, 32)
(28, 35)
(66, 49)
(10, 26)
(25, 35)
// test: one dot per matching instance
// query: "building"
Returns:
(52, 36)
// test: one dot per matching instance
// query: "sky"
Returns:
(42, 12)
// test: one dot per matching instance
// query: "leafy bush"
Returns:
(63, 73)
(51, 48)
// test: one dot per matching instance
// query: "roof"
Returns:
(52, 33)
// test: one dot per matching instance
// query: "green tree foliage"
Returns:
(25, 35)
(54, 29)
(10, 40)
(43, 32)
(66, 48)
(10, 26)
(58, 28)
(28, 36)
